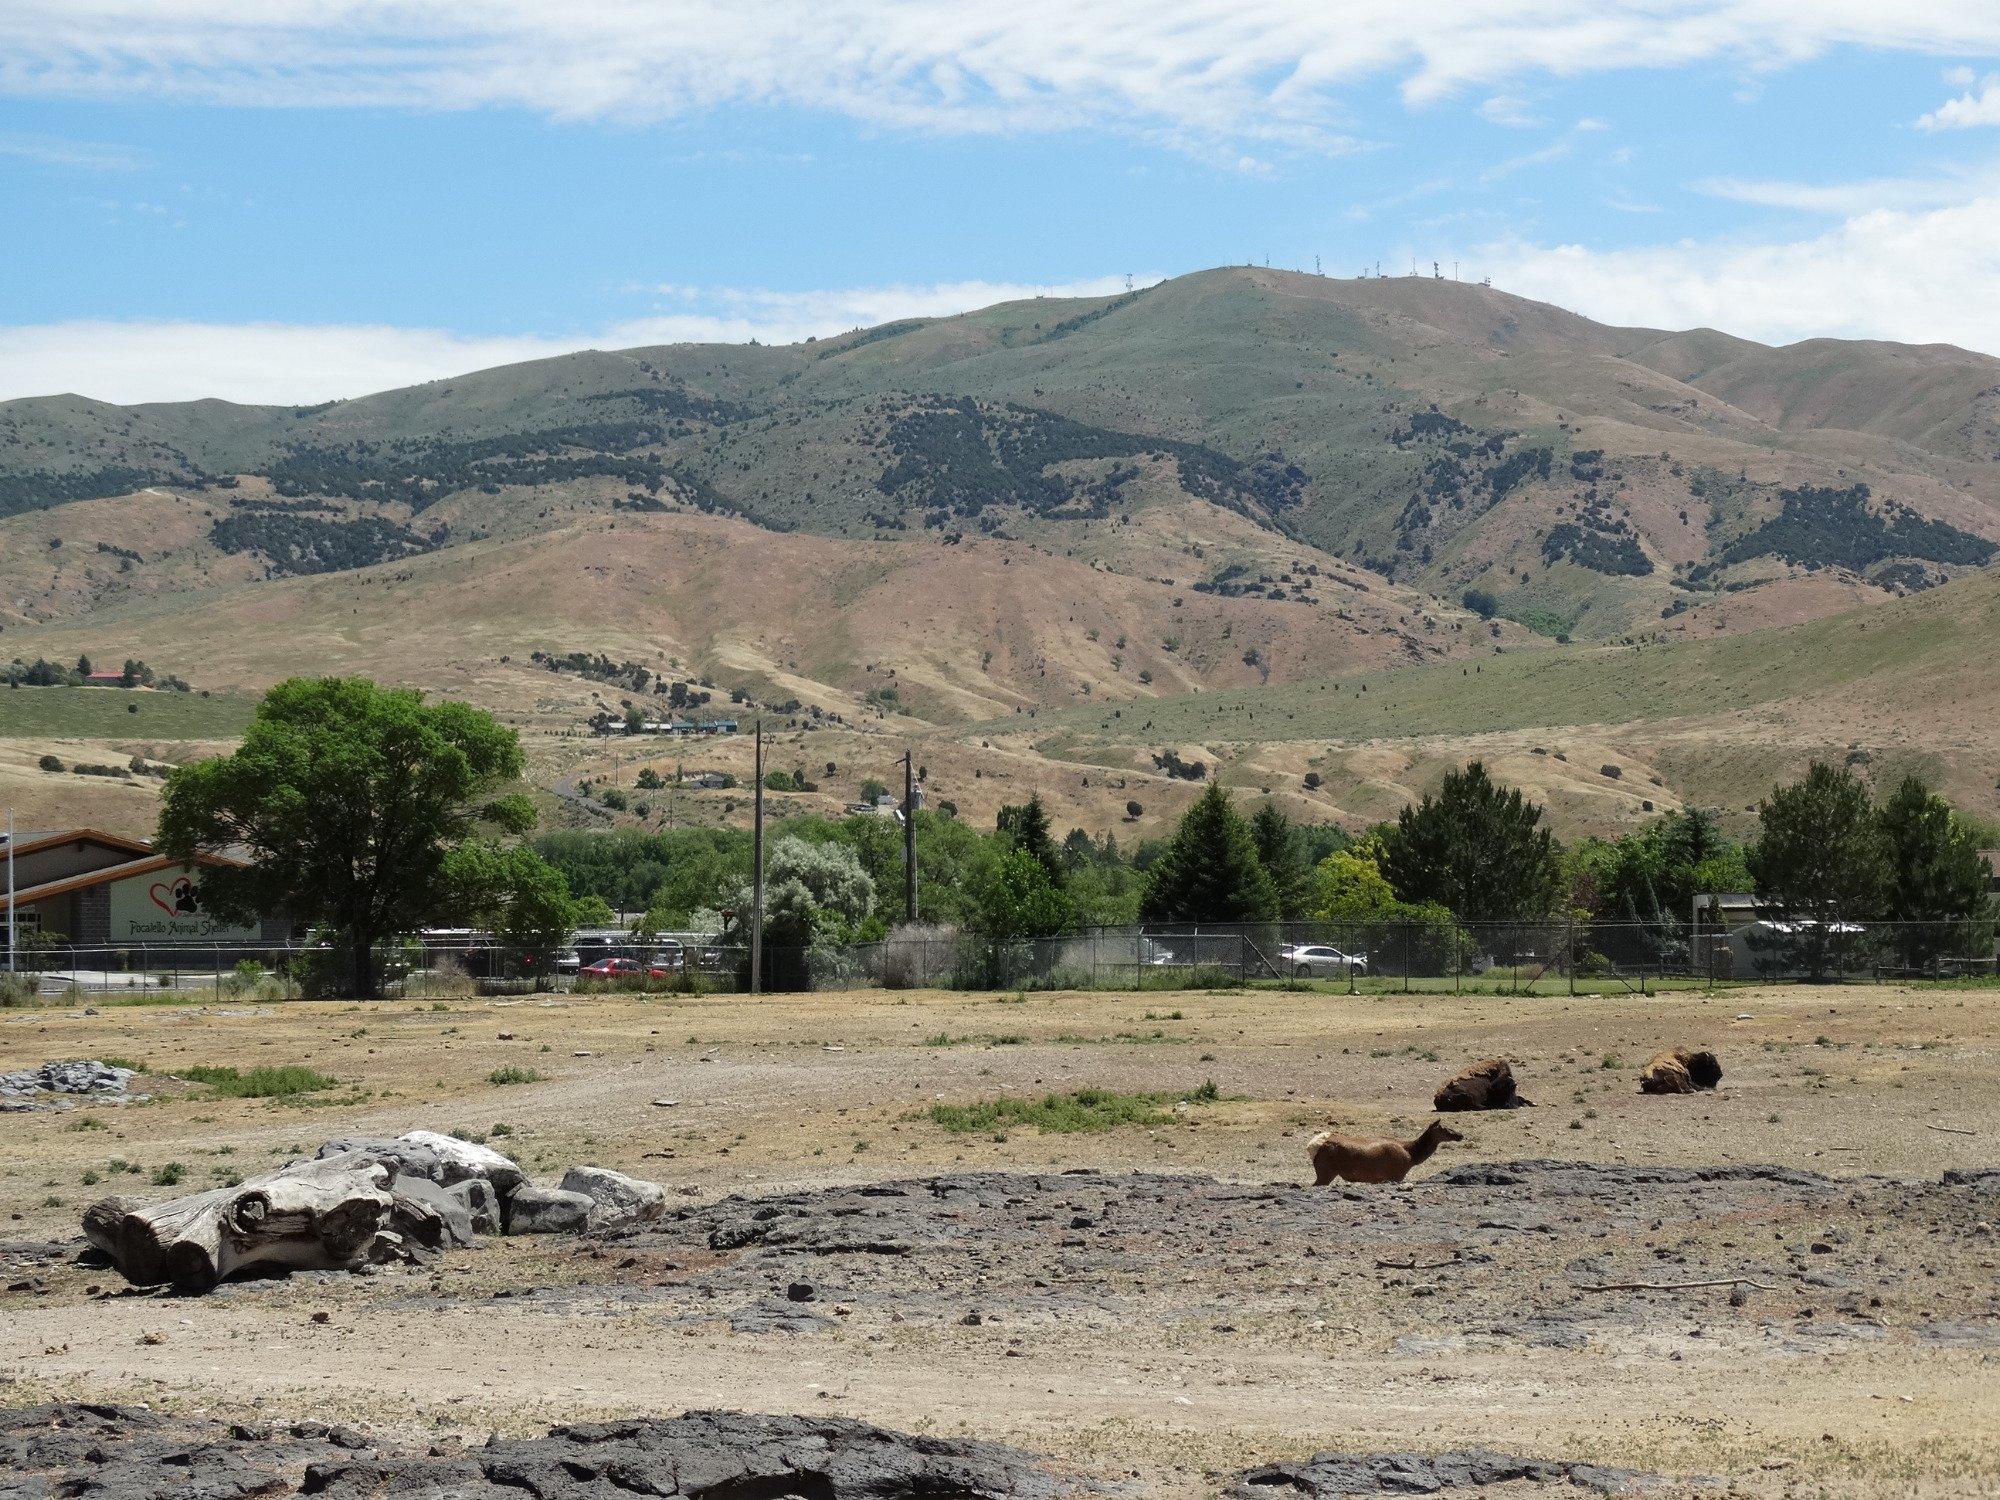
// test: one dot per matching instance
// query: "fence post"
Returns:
(1569, 951)
(1406, 958)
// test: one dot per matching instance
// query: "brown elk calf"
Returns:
(1364, 1159)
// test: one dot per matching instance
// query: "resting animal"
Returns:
(1362, 1159)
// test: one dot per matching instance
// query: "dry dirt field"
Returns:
(1161, 1304)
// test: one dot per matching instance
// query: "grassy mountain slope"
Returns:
(1210, 503)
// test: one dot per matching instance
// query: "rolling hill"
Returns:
(1218, 508)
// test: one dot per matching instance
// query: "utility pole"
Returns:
(757, 873)
(909, 837)
(10, 891)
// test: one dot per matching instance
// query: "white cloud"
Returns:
(1510, 110)
(61, 151)
(1967, 111)
(1178, 68)
(1858, 197)
(284, 363)
(1913, 276)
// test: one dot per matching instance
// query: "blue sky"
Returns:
(351, 194)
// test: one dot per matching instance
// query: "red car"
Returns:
(623, 968)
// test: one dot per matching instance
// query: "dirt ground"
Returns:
(1182, 1310)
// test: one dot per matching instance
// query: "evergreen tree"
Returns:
(1278, 851)
(1210, 871)
(1820, 857)
(1028, 827)
(1477, 849)
(1935, 871)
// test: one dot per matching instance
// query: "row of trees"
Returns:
(369, 812)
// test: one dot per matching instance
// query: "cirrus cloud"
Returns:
(1175, 68)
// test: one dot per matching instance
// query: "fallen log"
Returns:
(328, 1214)
(1675, 1286)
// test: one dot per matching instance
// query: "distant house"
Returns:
(887, 805)
(102, 890)
(105, 679)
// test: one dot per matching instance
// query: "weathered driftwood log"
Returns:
(327, 1214)
(1680, 1071)
(1484, 1085)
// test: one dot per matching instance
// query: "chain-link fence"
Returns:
(1435, 955)
(405, 969)
(1439, 955)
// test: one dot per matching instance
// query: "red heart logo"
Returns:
(166, 906)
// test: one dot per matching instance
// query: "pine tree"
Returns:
(1476, 849)
(1028, 826)
(1279, 853)
(1210, 871)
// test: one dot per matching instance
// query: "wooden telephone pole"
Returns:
(757, 872)
(909, 838)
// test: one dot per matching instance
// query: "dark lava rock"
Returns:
(128, 1453)
(1425, 1474)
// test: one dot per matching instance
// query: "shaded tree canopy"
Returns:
(345, 799)
(1476, 848)
(1210, 871)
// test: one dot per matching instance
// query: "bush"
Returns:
(18, 990)
(51, 763)
(1084, 1111)
(513, 1074)
(259, 1083)
(917, 955)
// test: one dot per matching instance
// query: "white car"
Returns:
(1317, 959)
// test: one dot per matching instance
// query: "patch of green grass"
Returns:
(513, 1073)
(104, 713)
(280, 1082)
(1083, 1111)
(86, 1122)
(110, 1061)
(168, 1175)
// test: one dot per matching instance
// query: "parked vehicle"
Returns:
(1316, 959)
(623, 968)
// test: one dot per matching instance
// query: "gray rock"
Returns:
(86, 1076)
(1329, 1474)
(481, 1203)
(127, 1453)
(442, 1159)
(617, 1199)
(546, 1210)
(437, 1216)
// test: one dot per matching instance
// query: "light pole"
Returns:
(10, 891)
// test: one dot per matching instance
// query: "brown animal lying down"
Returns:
(1484, 1085)
(1365, 1159)
(1680, 1071)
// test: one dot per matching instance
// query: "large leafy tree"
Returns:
(1210, 871)
(1349, 886)
(1935, 872)
(345, 799)
(1018, 900)
(1820, 856)
(518, 896)
(1476, 848)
